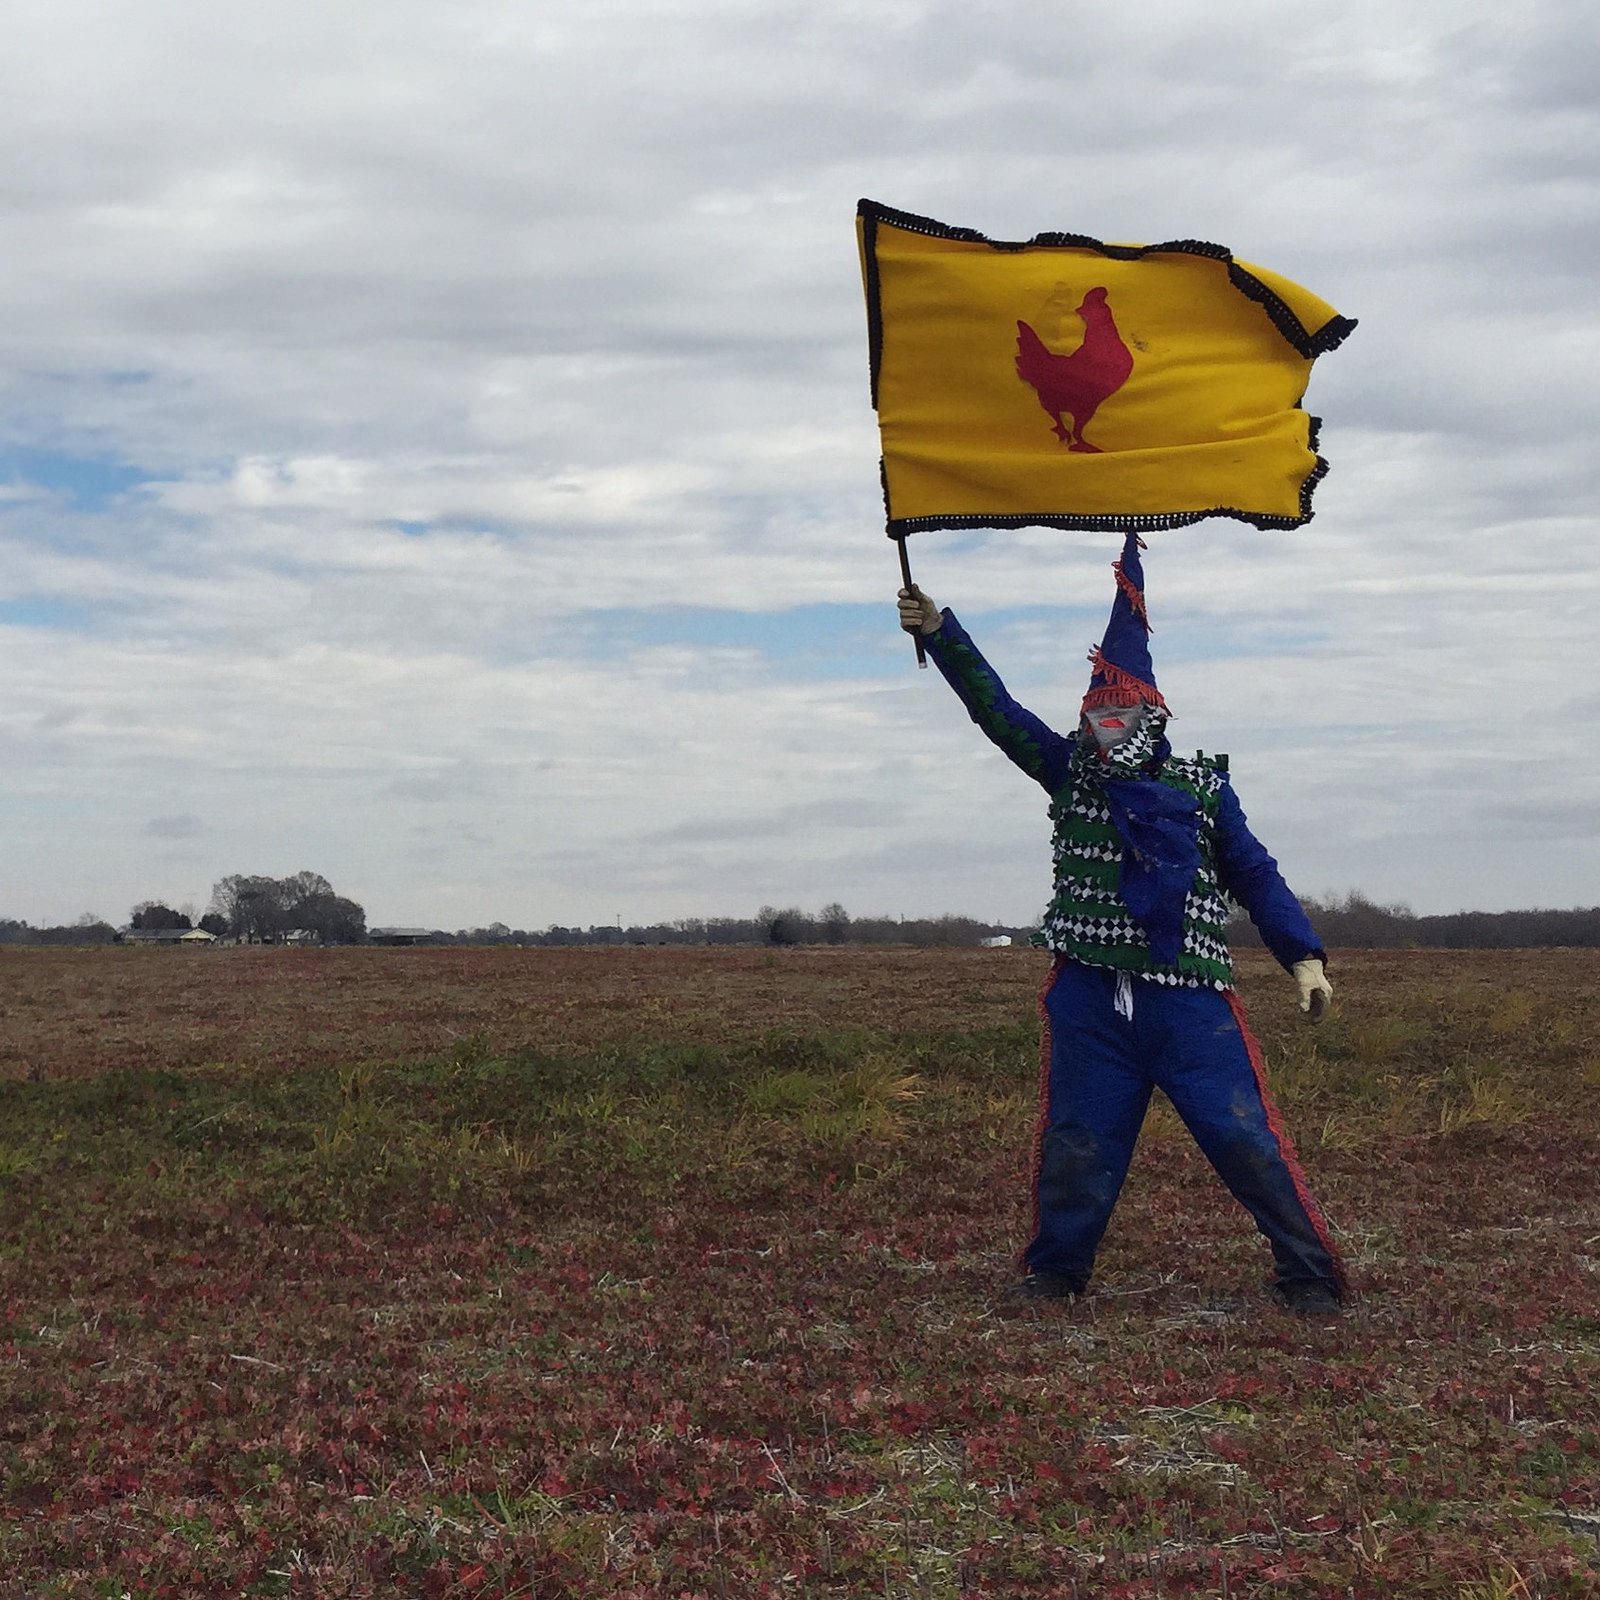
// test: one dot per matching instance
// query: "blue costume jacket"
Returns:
(1089, 919)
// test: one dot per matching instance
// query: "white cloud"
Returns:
(474, 360)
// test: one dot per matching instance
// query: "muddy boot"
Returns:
(1310, 1297)
(1044, 1286)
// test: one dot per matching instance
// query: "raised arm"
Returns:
(1034, 746)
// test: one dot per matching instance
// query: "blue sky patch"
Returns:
(828, 641)
(1233, 644)
(816, 641)
(92, 483)
(42, 613)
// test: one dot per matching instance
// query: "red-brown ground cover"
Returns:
(643, 1273)
(75, 1013)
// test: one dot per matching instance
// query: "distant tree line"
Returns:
(269, 910)
(252, 909)
(262, 910)
(88, 929)
(1354, 922)
(771, 925)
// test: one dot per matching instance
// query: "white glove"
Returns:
(918, 614)
(1315, 990)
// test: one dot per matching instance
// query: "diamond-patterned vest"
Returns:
(1086, 918)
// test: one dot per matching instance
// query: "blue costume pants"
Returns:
(1194, 1046)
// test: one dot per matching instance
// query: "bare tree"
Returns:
(262, 910)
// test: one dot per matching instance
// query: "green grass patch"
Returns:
(478, 1130)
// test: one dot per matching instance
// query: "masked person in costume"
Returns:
(1149, 849)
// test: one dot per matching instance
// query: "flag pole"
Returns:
(905, 575)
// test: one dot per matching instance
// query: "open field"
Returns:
(74, 1013)
(671, 1272)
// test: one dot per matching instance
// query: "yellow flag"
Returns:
(1075, 384)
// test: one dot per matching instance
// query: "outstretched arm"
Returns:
(1034, 746)
(1249, 873)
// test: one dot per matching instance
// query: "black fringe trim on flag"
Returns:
(1114, 522)
(1109, 522)
(869, 269)
(1310, 343)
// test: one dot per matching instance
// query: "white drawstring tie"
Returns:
(1124, 1000)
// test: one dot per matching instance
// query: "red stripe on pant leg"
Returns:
(1285, 1144)
(1044, 1098)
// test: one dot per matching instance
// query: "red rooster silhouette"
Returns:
(1075, 385)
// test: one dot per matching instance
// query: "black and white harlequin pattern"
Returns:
(1081, 933)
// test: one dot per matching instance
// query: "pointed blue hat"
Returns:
(1122, 665)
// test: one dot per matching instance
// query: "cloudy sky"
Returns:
(435, 447)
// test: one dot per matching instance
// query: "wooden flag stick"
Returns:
(905, 576)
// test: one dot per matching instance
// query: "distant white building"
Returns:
(999, 942)
(188, 936)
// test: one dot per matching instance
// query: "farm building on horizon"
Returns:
(188, 936)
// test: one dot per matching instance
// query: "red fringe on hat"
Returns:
(1134, 594)
(1119, 685)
